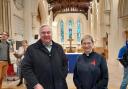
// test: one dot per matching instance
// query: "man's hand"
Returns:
(38, 86)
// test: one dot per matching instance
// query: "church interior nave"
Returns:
(105, 20)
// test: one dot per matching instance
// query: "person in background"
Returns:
(19, 55)
(4, 56)
(91, 71)
(123, 59)
(0, 37)
(45, 64)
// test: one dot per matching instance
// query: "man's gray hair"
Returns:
(45, 25)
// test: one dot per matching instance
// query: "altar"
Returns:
(72, 58)
(72, 55)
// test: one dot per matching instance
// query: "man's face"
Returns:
(4, 36)
(45, 35)
(87, 45)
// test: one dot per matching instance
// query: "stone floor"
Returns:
(115, 76)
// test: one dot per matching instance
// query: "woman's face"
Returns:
(24, 43)
(87, 45)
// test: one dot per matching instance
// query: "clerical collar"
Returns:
(87, 54)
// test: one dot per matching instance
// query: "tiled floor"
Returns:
(115, 76)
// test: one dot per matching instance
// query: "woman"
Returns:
(19, 55)
(91, 70)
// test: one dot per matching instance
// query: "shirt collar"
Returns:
(48, 44)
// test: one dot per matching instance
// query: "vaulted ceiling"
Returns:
(69, 6)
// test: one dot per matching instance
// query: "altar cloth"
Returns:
(72, 58)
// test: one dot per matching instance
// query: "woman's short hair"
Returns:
(24, 41)
(87, 37)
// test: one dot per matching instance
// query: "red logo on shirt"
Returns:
(93, 62)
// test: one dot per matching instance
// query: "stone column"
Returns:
(114, 31)
(9, 18)
(94, 20)
(1, 16)
(99, 42)
(89, 20)
(4, 15)
(28, 21)
(34, 24)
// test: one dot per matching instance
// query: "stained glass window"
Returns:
(70, 24)
(78, 31)
(62, 31)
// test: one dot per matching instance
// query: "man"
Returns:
(45, 65)
(4, 56)
(123, 58)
